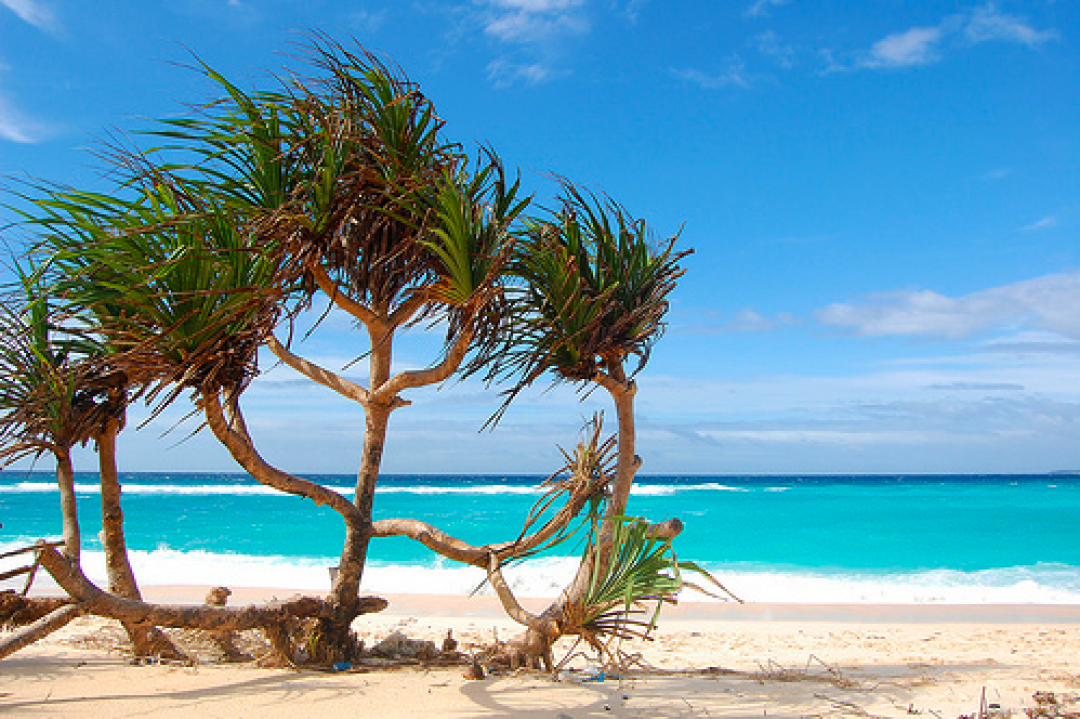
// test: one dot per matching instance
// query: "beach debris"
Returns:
(396, 644)
(1049, 705)
(474, 670)
(844, 704)
(772, 670)
(449, 644)
(17, 610)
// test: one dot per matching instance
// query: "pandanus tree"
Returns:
(348, 185)
(59, 393)
(338, 186)
(589, 305)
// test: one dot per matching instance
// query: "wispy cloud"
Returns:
(926, 45)
(761, 8)
(1046, 302)
(1044, 223)
(504, 73)
(977, 387)
(531, 34)
(16, 126)
(734, 75)
(366, 21)
(988, 24)
(770, 45)
(749, 320)
(917, 46)
(999, 173)
(34, 12)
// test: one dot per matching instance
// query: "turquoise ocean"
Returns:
(1000, 539)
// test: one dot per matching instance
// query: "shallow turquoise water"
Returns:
(947, 533)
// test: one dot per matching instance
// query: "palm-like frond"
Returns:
(49, 399)
(469, 246)
(346, 172)
(643, 569)
(172, 282)
(592, 291)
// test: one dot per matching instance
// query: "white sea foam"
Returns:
(483, 489)
(664, 490)
(1036, 584)
(193, 490)
(136, 488)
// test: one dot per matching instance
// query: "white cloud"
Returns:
(917, 46)
(366, 21)
(749, 320)
(534, 34)
(996, 174)
(1048, 302)
(533, 21)
(988, 24)
(924, 45)
(537, 6)
(1042, 224)
(769, 44)
(33, 12)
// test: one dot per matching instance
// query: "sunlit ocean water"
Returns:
(877, 539)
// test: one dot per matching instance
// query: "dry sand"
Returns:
(707, 660)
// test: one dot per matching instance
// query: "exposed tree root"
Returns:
(39, 629)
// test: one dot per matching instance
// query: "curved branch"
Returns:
(459, 550)
(316, 373)
(420, 378)
(92, 600)
(339, 298)
(451, 547)
(510, 603)
(434, 539)
(234, 436)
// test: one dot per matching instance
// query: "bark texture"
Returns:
(69, 507)
(25, 636)
(145, 641)
(272, 617)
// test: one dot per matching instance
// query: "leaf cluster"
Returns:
(53, 397)
(590, 291)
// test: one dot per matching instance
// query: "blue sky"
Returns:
(883, 199)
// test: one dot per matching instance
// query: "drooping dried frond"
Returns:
(583, 480)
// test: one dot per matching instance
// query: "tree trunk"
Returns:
(536, 643)
(333, 639)
(336, 640)
(69, 507)
(145, 641)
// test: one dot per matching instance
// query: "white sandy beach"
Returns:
(706, 660)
